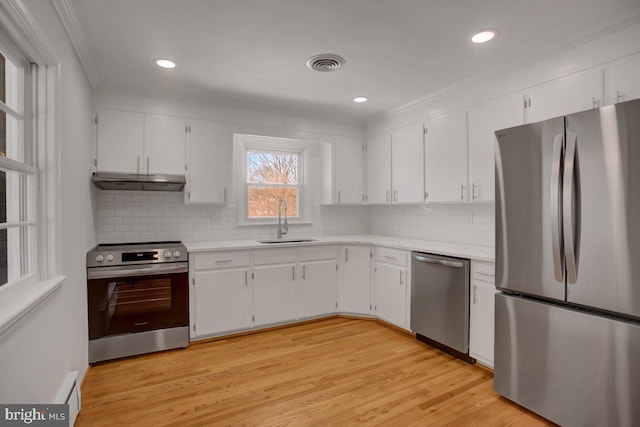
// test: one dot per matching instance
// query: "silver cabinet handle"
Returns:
(338, 196)
(246, 278)
(222, 261)
(391, 257)
(387, 196)
(454, 264)
(461, 191)
(225, 194)
(473, 192)
(148, 170)
(485, 274)
(395, 195)
(475, 289)
(138, 165)
(304, 272)
(570, 217)
(556, 208)
(596, 102)
(401, 277)
(293, 273)
(619, 96)
(346, 255)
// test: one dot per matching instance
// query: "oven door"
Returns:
(130, 299)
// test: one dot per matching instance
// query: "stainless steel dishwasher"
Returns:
(440, 302)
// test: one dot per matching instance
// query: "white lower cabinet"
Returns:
(390, 287)
(222, 294)
(316, 289)
(223, 301)
(354, 280)
(274, 293)
(482, 320)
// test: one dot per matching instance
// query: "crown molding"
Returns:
(69, 19)
(23, 28)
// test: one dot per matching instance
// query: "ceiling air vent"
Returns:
(325, 62)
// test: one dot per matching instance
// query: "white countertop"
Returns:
(480, 253)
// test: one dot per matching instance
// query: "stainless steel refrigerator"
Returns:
(567, 334)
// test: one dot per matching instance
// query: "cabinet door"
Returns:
(624, 82)
(316, 289)
(354, 284)
(164, 145)
(482, 320)
(209, 162)
(407, 164)
(484, 120)
(274, 293)
(577, 92)
(223, 301)
(446, 158)
(119, 137)
(390, 284)
(348, 165)
(379, 169)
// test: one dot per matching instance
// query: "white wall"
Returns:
(452, 223)
(37, 354)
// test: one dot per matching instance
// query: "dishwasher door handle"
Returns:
(454, 264)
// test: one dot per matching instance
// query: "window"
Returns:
(271, 177)
(269, 170)
(18, 175)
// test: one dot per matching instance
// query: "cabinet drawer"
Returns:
(391, 256)
(205, 261)
(316, 253)
(274, 256)
(484, 271)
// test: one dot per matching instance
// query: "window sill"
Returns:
(18, 301)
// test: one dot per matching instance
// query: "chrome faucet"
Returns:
(283, 228)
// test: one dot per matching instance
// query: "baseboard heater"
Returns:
(69, 394)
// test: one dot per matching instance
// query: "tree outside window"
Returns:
(272, 176)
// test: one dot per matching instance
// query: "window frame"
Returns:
(244, 144)
(24, 257)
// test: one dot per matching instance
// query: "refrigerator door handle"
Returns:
(571, 207)
(556, 207)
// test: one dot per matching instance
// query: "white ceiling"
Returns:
(252, 53)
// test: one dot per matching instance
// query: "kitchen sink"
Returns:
(287, 241)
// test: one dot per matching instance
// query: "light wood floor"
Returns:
(332, 372)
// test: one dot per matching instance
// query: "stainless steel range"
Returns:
(138, 299)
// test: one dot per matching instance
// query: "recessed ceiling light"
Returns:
(484, 36)
(165, 63)
(360, 99)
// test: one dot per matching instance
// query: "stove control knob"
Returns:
(176, 254)
(167, 254)
(110, 257)
(100, 258)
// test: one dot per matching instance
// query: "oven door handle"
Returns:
(129, 271)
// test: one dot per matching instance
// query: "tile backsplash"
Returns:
(130, 216)
(134, 216)
(470, 224)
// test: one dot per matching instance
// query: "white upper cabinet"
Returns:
(446, 158)
(119, 141)
(407, 164)
(135, 143)
(576, 92)
(623, 82)
(164, 145)
(209, 162)
(484, 120)
(379, 169)
(348, 167)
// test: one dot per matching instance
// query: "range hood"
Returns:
(141, 182)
